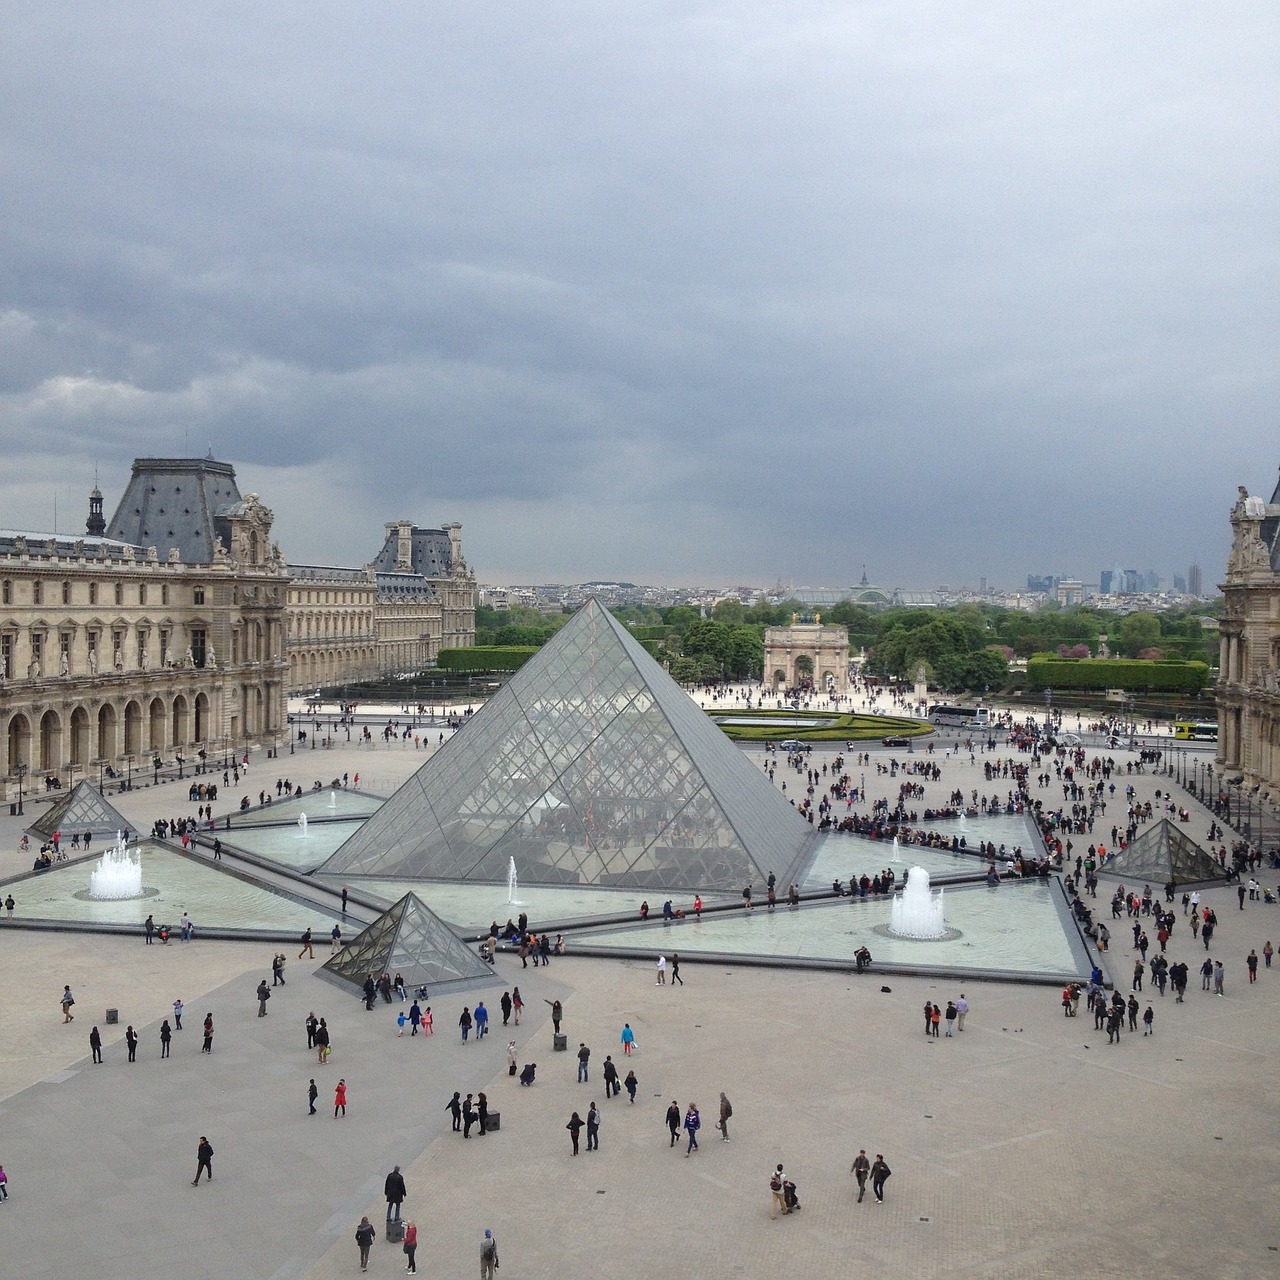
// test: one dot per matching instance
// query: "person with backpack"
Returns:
(365, 1236)
(488, 1255)
(726, 1110)
(779, 1200)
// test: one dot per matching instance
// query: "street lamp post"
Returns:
(21, 771)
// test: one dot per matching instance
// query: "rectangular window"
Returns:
(197, 645)
(6, 592)
(142, 649)
(6, 655)
(165, 656)
(198, 595)
(37, 593)
(119, 593)
(164, 593)
(93, 642)
(64, 650)
(66, 593)
(142, 593)
(117, 647)
(93, 593)
(37, 647)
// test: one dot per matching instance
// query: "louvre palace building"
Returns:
(1249, 664)
(177, 626)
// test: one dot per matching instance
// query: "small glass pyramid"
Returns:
(591, 766)
(81, 809)
(410, 940)
(1163, 853)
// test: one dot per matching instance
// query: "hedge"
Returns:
(1131, 674)
(485, 657)
(846, 728)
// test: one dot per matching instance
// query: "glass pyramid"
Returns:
(81, 809)
(410, 940)
(591, 766)
(1165, 852)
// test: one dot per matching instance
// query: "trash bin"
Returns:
(493, 1121)
(559, 1042)
(113, 1016)
(395, 1231)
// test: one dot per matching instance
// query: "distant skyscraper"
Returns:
(1179, 584)
(1105, 579)
(1195, 581)
(1131, 585)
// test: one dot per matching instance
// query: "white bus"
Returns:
(948, 717)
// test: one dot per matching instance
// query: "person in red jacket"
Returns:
(340, 1098)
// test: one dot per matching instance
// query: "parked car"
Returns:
(793, 744)
(895, 742)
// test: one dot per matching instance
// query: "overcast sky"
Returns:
(672, 292)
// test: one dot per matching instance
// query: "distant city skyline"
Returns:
(712, 292)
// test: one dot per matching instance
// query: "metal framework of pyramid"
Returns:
(81, 809)
(411, 940)
(1165, 852)
(591, 766)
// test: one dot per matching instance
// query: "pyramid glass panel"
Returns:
(590, 767)
(82, 809)
(412, 941)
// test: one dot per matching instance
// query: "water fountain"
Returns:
(915, 912)
(333, 799)
(893, 857)
(961, 821)
(302, 823)
(117, 876)
(512, 900)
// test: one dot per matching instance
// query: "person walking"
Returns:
(394, 1190)
(505, 1004)
(67, 1001)
(482, 1020)
(488, 1255)
(593, 1128)
(277, 970)
(879, 1174)
(1267, 952)
(131, 1040)
(673, 1122)
(1219, 977)
(860, 1168)
(631, 1083)
(308, 946)
(1148, 1021)
(662, 972)
(675, 970)
(779, 1202)
(264, 994)
(575, 1127)
(166, 1034)
(312, 1094)
(95, 1044)
(692, 1123)
(411, 1245)
(1206, 974)
(322, 1042)
(726, 1110)
(1251, 962)
(207, 1047)
(610, 1072)
(962, 1007)
(365, 1236)
(628, 1039)
(517, 1005)
(340, 1099)
(204, 1160)
(464, 1021)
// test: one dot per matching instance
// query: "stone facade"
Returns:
(825, 648)
(1249, 663)
(389, 618)
(163, 636)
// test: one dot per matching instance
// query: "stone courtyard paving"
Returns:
(1023, 1147)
